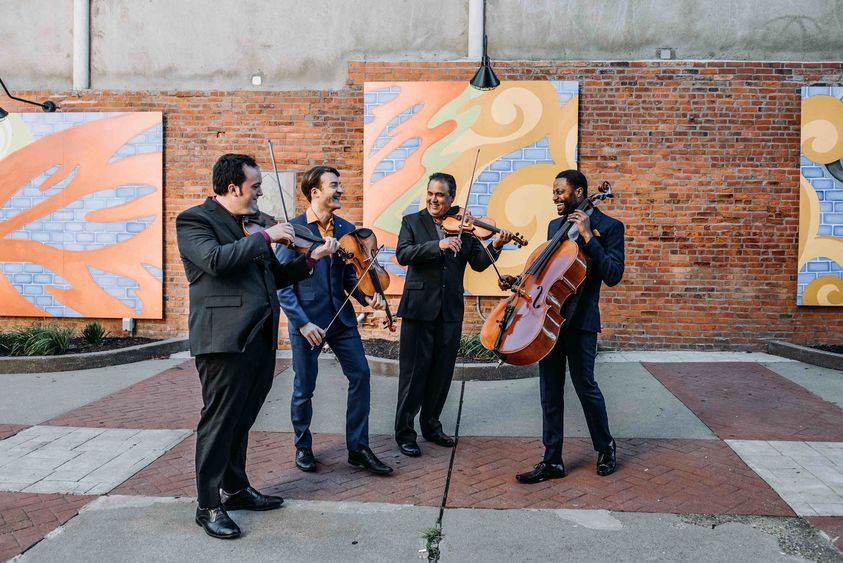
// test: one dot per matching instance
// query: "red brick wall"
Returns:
(704, 158)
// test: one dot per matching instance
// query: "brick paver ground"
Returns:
(654, 475)
(172, 399)
(747, 401)
(832, 526)
(7, 430)
(419, 481)
(25, 518)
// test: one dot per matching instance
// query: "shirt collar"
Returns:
(311, 217)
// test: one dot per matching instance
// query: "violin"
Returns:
(483, 228)
(523, 328)
(360, 248)
(304, 237)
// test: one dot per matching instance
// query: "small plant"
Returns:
(470, 347)
(36, 340)
(432, 537)
(7, 340)
(94, 333)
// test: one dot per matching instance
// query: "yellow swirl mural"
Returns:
(820, 253)
(526, 132)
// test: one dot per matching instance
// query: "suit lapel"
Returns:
(221, 216)
(427, 221)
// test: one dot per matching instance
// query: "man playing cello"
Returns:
(602, 240)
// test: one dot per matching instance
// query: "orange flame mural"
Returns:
(81, 215)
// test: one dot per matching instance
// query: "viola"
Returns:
(304, 237)
(361, 248)
(523, 328)
(483, 228)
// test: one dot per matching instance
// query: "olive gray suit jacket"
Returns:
(233, 280)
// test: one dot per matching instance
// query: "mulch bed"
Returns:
(382, 348)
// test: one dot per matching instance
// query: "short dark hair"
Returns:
(576, 179)
(229, 170)
(446, 179)
(313, 178)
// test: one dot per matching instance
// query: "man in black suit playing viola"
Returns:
(431, 311)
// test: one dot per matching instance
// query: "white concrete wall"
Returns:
(36, 40)
(786, 30)
(306, 44)
(295, 44)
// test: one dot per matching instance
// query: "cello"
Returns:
(523, 328)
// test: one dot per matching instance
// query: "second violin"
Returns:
(483, 228)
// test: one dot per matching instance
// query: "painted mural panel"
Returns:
(821, 198)
(526, 132)
(81, 215)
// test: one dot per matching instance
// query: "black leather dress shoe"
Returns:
(305, 460)
(441, 439)
(410, 449)
(249, 499)
(606, 461)
(542, 472)
(366, 459)
(216, 523)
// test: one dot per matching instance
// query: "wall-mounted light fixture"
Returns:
(484, 78)
(47, 106)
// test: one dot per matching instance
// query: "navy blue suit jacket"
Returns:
(605, 256)
(318, 298)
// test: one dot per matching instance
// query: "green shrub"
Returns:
(37, 340)
(7, 340)
(470, 347)
(94, 333)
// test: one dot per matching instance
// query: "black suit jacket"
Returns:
(605, 254)
(434, 281)
(233, 280)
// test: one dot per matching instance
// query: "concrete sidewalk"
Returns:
(721, 457)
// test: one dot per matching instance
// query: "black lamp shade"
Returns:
(3, 113)
(484, 78)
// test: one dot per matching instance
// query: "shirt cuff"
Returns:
(266, 238)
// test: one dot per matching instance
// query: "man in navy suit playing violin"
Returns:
(310, 306)
(602, 240)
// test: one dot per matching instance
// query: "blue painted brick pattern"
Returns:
(394, 161)
(42, 124)
(830, 194)
(31, 281)
(118, 287)
(149, 141)
(375, 98)
(816, 268)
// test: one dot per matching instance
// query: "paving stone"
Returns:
(42, 459)
(831, 526)
(271, 469)
(172, 399)
(808, 476)
(747, 401)
(32, 398)
(654, 475)
(25, 518)
(7, 430)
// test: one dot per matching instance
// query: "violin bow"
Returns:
(467, 196)
(278, 180)
(350, 293)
